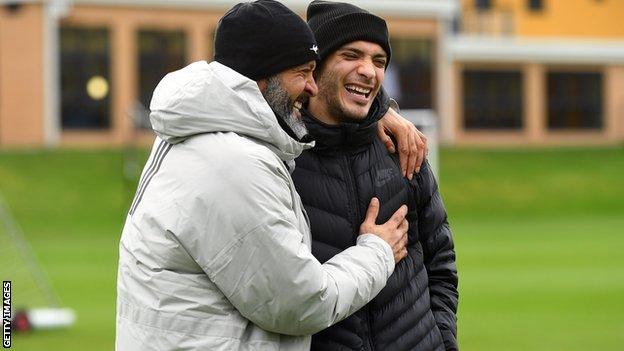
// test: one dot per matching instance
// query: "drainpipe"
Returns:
(445, 88)
(53, 11)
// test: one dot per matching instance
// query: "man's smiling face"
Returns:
(286, 93)
(348, 82)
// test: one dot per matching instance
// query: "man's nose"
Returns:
(366, 69)
(310, 88)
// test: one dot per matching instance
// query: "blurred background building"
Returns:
(539, 72)
(494, 72)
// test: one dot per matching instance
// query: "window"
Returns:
(535, 5)
(160, 52)
(409, 77)
(492, 99)
(85, 80)
(574, 100)
(483, 4)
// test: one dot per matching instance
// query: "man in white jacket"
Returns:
(215, 250)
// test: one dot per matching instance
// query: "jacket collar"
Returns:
(210, 97)
(350, 136)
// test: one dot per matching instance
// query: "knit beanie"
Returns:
(336, 23)
(262, 38)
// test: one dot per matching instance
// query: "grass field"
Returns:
(539, 239)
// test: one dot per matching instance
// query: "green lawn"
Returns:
(539, 239)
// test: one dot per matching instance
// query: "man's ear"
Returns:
(262, 84)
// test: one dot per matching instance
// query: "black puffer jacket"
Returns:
(336, 180)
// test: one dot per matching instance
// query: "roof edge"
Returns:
(547, 50)
(441, 9)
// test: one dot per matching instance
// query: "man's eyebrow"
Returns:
(360, 52)
(354, 50)
(310, 66)
(304, 67)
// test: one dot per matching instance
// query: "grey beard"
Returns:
(278, 100)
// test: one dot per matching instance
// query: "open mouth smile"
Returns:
(354, 89)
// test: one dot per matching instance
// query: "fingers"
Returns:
(387, 125)
(420, 144)
(403, 227)
(401, 247)
(414, 156)
(404, 237)
(423, 138)
(372, 212)
(399, 216)
(399, 255)
(403, 131)
(420, 153)
(385, 138)
(403, 139)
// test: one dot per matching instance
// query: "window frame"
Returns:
(431, 99)
(521, 98)
(602, 124)
(108, 75)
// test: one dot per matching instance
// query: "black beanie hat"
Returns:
(337, 23)
(262, 38)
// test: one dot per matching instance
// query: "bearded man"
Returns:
(215, 250)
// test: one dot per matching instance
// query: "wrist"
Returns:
(394, 105)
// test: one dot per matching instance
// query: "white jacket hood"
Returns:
(210, 97)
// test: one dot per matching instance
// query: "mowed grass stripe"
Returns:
(539, 237)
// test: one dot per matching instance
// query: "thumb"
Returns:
(372, 211)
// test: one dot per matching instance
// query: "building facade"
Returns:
(493, 72)
(82, 72)
(541, 72)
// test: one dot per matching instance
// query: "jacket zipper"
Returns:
(353, 198)
(355, 220)
(369, 335)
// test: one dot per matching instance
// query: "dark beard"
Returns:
(329, 93)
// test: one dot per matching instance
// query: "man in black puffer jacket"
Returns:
(350, 165)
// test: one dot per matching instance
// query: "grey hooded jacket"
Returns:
(215, 250)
